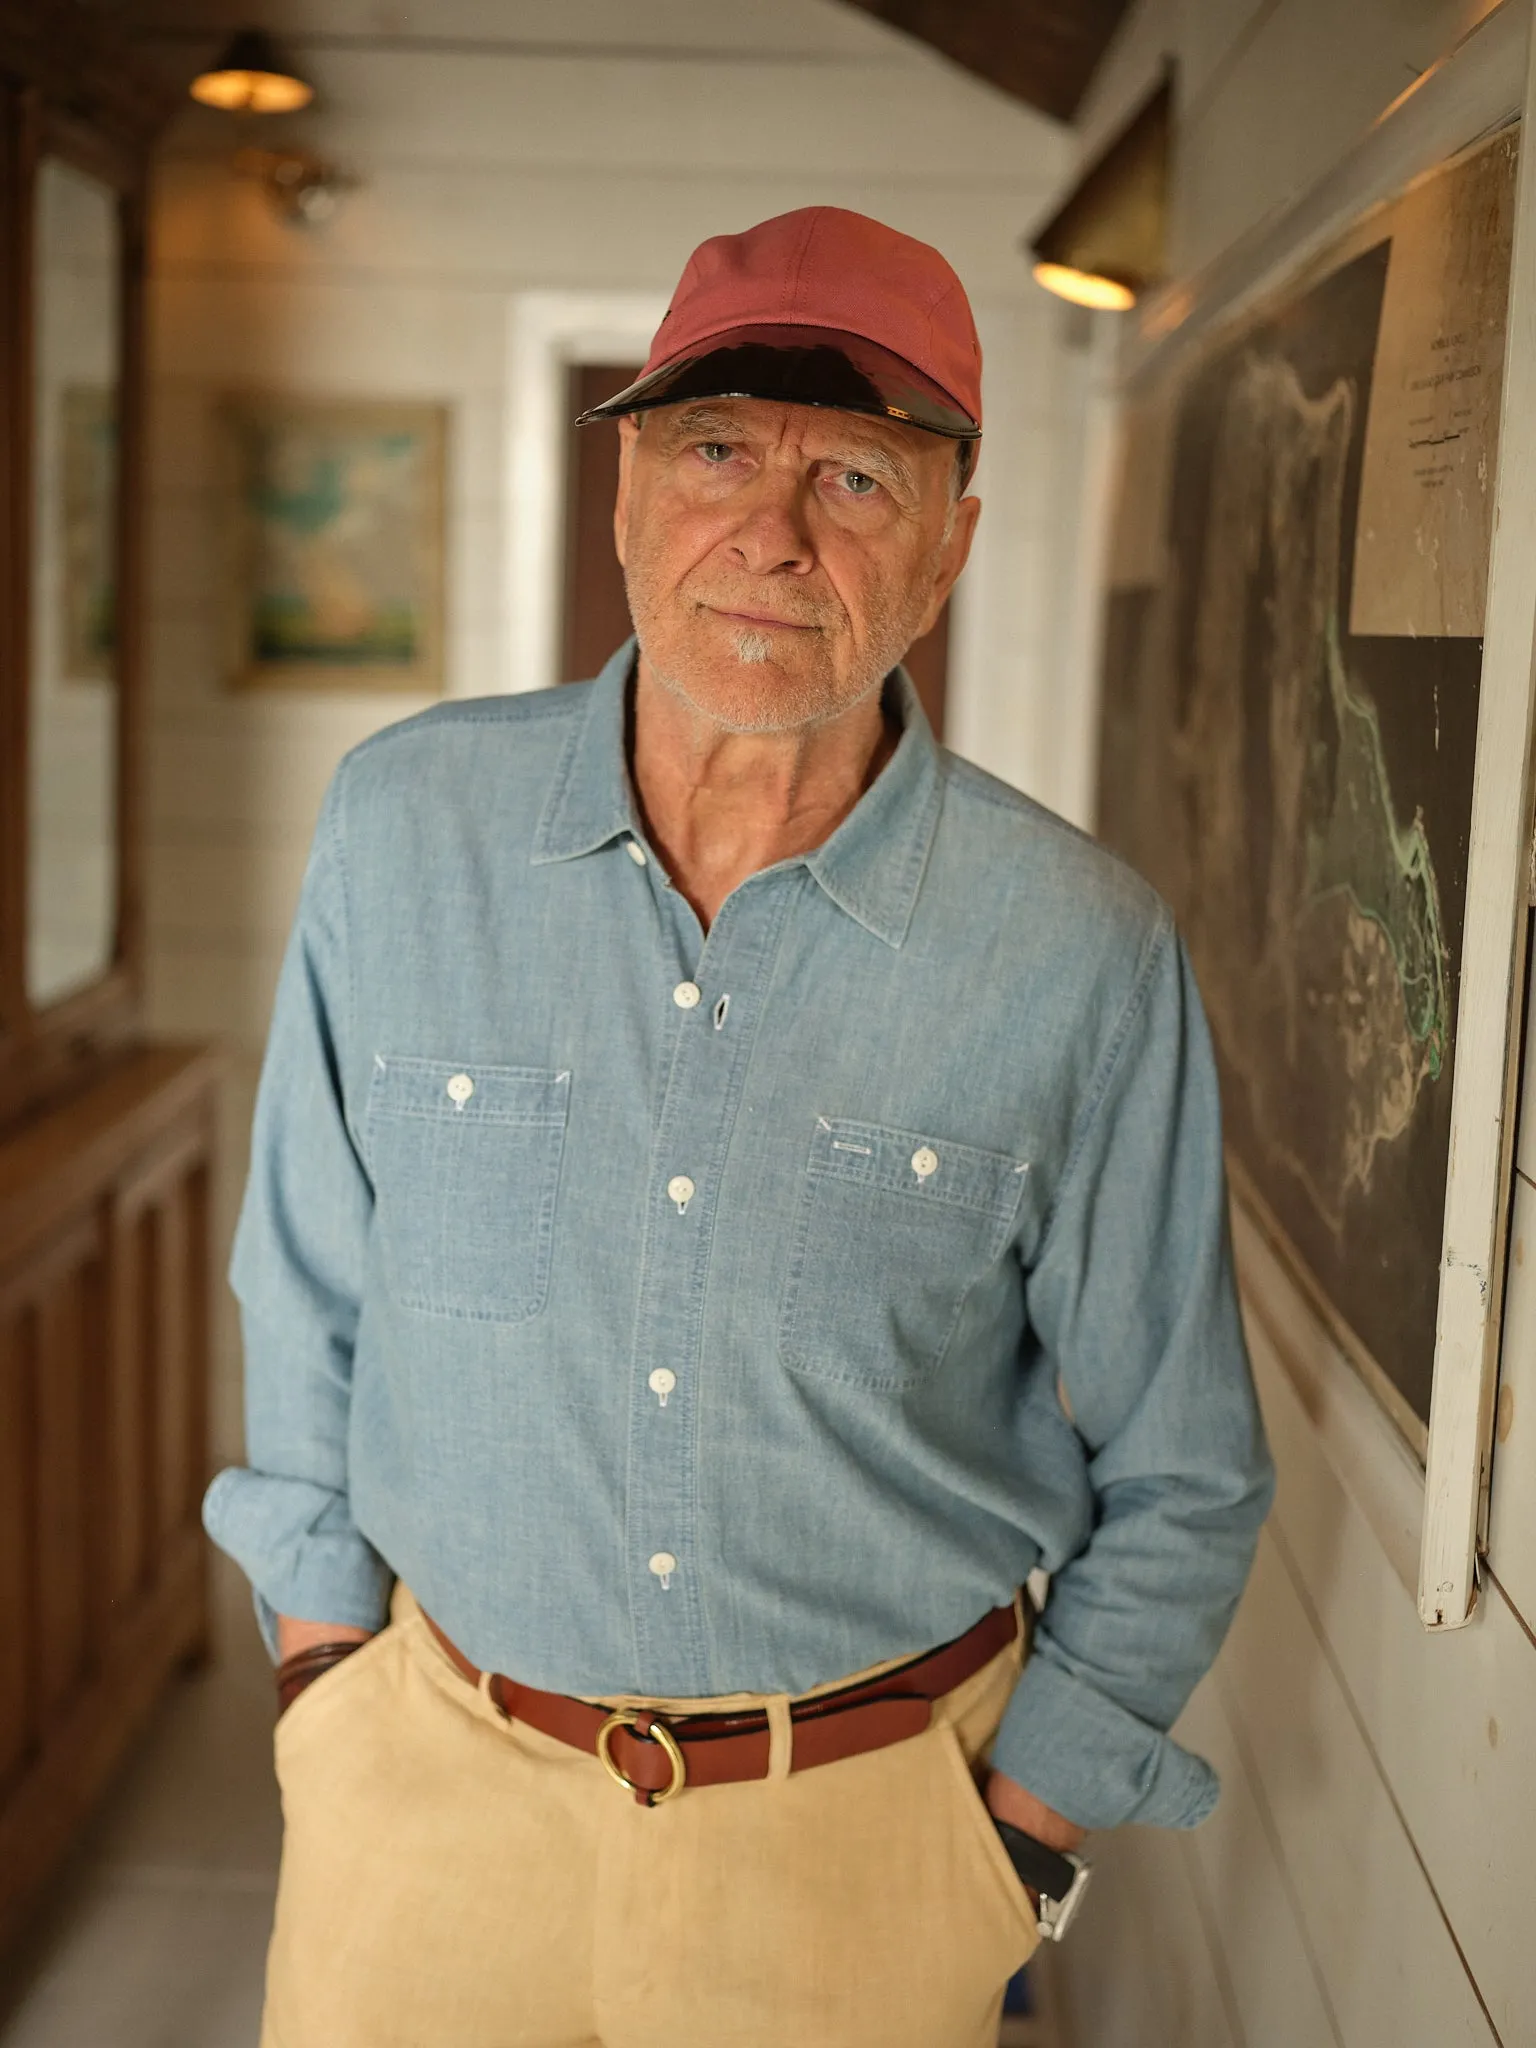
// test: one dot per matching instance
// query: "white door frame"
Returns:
(547, 332)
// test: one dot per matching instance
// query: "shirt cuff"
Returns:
(1091, 1760)
(297, 1544)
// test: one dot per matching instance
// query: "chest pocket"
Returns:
(466, 1166)
(895, 1229)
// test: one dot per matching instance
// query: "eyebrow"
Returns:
(703, 419)
(871, 457)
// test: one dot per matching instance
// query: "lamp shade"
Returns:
(1107, 242)
(253, 77)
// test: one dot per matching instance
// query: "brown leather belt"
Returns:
(654, 1756)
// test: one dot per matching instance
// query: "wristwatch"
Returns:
(1057, 1875)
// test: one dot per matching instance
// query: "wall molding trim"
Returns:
(548, 331)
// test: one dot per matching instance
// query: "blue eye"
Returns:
(858, 483)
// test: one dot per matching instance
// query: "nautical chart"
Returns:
(1290, 712)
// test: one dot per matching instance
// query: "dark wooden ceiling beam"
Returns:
(1041, 51)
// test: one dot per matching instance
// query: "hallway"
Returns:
(156, 1935)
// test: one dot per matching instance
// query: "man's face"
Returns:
(781, 559)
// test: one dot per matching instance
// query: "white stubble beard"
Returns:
(752, 648)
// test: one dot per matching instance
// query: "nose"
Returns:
(773, 535)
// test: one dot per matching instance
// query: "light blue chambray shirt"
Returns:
(685, 1315)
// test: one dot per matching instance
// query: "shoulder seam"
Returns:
(508, 710)
(1016, 802)
(339, 853)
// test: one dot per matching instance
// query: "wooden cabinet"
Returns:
(105, 1142)
(104, 1264)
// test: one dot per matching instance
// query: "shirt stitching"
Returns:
(1109, 1061)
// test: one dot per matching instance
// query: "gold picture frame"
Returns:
(337, 543)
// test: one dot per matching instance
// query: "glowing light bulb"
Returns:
(1083, 288)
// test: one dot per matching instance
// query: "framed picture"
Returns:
(88, 501)
(337, 542)
(1316, 727)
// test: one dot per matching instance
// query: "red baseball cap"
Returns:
(818, 307)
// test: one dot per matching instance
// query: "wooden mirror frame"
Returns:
(43, 1052)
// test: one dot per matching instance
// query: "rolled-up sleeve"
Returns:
(1133, 1301)
(297, 1270)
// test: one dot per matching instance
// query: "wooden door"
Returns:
(596, 613)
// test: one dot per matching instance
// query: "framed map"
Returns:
(1293, 741)
(337, 543)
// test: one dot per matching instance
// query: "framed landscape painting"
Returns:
(337, 544)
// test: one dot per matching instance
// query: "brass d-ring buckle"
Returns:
(659, 1732)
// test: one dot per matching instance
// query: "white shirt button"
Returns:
(687, 995)
(461, 1088)
(925, 1161)
(680, 1188)
(663, 1564)
(662, 1381)
(635, 852)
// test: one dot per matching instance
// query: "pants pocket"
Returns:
(856, 1903)
(318, 1702)
(994, 1865)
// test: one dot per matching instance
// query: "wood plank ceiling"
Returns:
(1041, 51)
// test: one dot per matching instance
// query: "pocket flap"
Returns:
(480, 1094)
(915, 1163)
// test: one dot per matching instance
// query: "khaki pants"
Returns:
(453, 1880)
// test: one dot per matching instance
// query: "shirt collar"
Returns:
(590, 801)
(871, 867)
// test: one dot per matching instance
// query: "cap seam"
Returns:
(791, 286)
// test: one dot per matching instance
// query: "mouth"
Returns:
(762, 621)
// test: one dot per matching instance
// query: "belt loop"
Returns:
(781, 1736)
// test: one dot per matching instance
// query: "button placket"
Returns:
(693, 1119)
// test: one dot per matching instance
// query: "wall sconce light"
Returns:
(253, 77)
(302, 189)
(1107, 242)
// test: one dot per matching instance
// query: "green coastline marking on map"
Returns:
(1385, 870)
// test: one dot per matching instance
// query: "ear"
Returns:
(629, 434)
(952, 559)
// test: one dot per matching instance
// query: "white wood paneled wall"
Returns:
(1369, 1878)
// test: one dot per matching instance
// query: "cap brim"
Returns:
(797, 366)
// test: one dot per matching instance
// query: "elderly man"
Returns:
(734, 1191)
